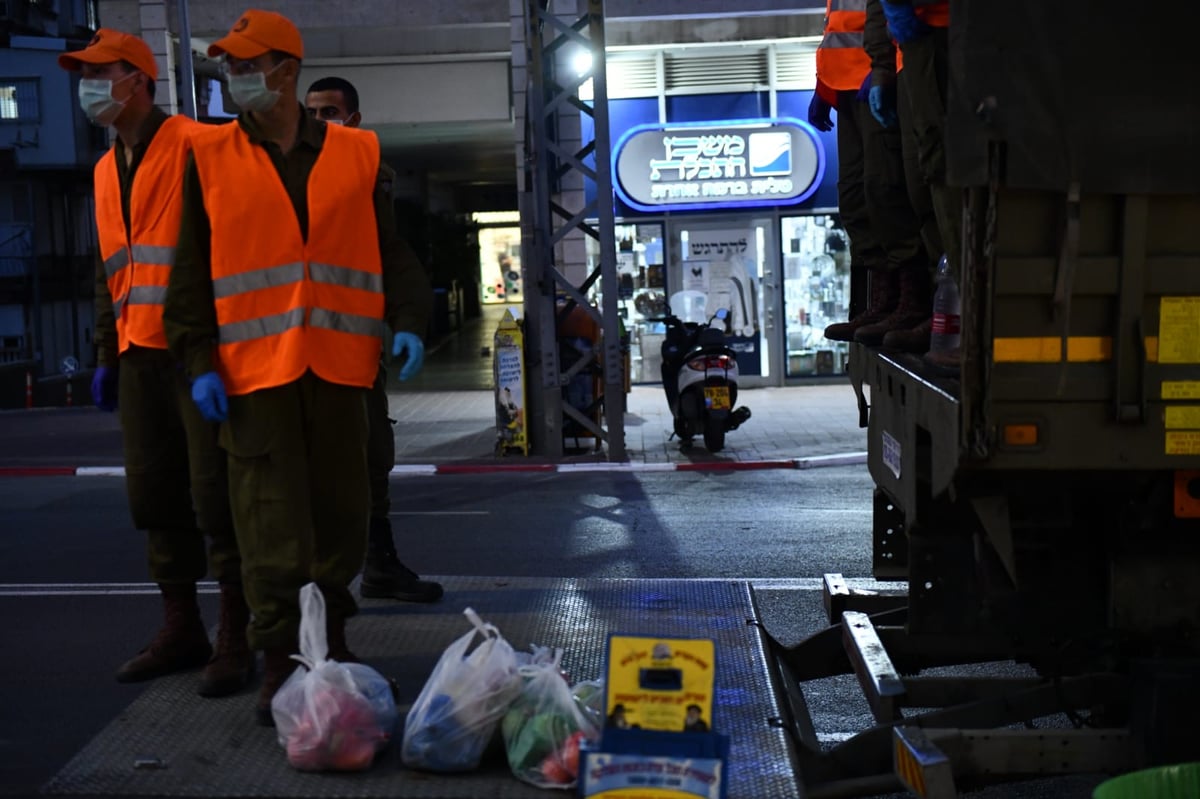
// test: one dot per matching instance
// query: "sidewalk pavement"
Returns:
(455, 431)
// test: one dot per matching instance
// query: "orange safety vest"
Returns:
(138, 256)
(934, 13)
(285, 304)
(842, 63)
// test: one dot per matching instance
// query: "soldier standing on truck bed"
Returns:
(884, 231)
(921, 28)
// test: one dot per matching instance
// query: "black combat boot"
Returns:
(231, 667)
(181, 644)
(884, 294)
(385, 577)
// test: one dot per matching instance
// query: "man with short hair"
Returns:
(334, 101)
(287, 267)
(175, 473)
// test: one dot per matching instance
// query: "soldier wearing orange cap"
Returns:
(175, 473)
(288, 265)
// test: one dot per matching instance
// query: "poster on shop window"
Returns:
(726, 264)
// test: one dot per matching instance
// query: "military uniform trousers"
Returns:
(381, 445)
(175, 474)
(299, 489)
(926, 70)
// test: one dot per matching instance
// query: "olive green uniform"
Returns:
(896, 191)
(381, 442)
(926, 82)
(174, 471)
(298, 453)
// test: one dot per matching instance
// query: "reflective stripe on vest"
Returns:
(286, 305)
(138, 257)
(842, 64)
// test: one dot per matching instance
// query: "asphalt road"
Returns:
(74, 601)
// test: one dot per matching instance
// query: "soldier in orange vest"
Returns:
(288, 265)
(175, 473)
(885, 244)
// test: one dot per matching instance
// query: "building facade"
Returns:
(443, 86)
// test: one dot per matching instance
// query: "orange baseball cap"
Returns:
(109, 46)
(257, 32)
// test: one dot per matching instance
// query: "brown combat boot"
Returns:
(181, 644)
(277, 667)
(231, 667)
(884, 293)
(915, 340)
(915, 307)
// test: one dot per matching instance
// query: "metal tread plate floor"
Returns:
(212, 748)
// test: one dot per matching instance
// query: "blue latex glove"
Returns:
(864, 89)
(818, 113)
(414, 350)
(882, 101)
(208, 392)
(104, 388)
(902, 21)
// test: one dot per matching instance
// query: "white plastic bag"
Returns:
(464, 698)
(545, 725)
(329, 715)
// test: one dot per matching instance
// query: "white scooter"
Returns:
(700, 376)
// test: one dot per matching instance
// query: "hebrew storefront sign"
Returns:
(683, 167)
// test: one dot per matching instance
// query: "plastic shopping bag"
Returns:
(464, 698)
(544, 727)
(329, 715)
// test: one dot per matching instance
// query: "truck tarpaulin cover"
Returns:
(1096, 92)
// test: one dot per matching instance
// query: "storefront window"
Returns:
(641, 295)
(816, 293)
(499, 257)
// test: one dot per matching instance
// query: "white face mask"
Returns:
(97, 101)
(335, 122)
(250, 92)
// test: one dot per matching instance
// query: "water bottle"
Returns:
(947, 309)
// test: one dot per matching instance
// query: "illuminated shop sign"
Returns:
(682, 167)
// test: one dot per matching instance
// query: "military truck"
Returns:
(1042, 506)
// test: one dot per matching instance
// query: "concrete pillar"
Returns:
(152, 19)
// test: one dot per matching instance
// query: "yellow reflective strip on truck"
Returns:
(1048, 349)
(1034, 349)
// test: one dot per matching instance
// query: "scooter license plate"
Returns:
(716, 398)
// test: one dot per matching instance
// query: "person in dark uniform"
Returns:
(287, 266)
(335, 101)
(174, 471)
(885, 243)
(921, 29)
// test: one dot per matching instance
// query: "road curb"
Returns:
(416, 469)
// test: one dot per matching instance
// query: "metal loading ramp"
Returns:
(171, 742)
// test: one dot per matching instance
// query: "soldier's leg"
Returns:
(156, 480)
(232, 664)
(926, 63)
(384, 575)
(269, 494)
(339, 484)
(867, 259)
(898, 228)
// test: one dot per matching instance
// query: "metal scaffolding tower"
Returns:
(564, 51)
